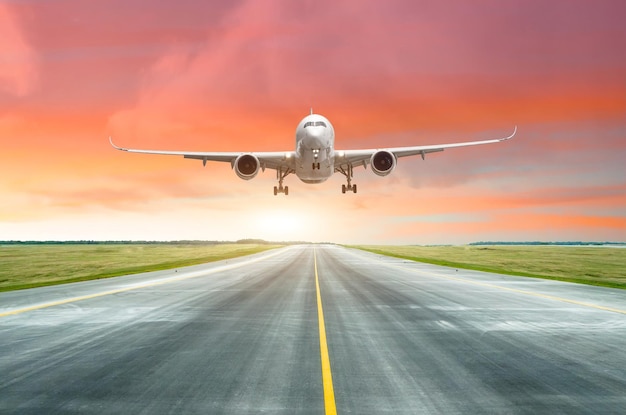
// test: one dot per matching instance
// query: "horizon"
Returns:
(263, 241)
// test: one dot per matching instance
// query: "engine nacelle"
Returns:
(246, 166)
(383, 162)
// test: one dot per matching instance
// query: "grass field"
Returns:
(588, 265)
(28, 266)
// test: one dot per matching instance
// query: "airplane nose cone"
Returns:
(315, 138)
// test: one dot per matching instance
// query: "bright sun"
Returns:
(279, 226)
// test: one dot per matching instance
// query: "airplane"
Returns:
(315, 158)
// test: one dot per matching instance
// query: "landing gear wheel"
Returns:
(348, 188)
(281, 189)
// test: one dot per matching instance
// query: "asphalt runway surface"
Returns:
(243, 336)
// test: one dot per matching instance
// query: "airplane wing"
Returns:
(349, 158)
(278, 160)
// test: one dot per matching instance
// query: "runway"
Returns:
(243, 336)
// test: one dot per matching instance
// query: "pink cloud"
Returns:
(19, 69)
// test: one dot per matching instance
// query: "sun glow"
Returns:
(279, 226)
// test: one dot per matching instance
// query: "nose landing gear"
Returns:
(316, 154)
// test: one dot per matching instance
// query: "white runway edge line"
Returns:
(515, 290)
(534, 294)
(137, 286)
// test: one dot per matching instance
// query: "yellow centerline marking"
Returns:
(327, 377)
(137, 286)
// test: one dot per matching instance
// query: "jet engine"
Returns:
(383, 162)
(246, 166)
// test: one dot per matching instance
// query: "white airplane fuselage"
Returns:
(315, 149)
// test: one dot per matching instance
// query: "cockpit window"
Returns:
(315, 124)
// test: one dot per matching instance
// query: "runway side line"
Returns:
(525, 292)
(136, 286)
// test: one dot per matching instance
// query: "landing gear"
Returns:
(348, 173)
(316, 155)
(349, 188)
(280, 175)
(281, 189)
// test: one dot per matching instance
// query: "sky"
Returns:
(239, 75)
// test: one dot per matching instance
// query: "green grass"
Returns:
(586, 265)
(28, 266)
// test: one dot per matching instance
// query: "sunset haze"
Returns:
(239, 76)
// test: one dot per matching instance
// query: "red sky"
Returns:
(239, 75)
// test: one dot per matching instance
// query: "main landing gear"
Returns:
(281, 189)
(349, 188)
(348, 173)
(280, 175)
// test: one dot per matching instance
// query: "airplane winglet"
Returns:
(114, 146)
(511, 136)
